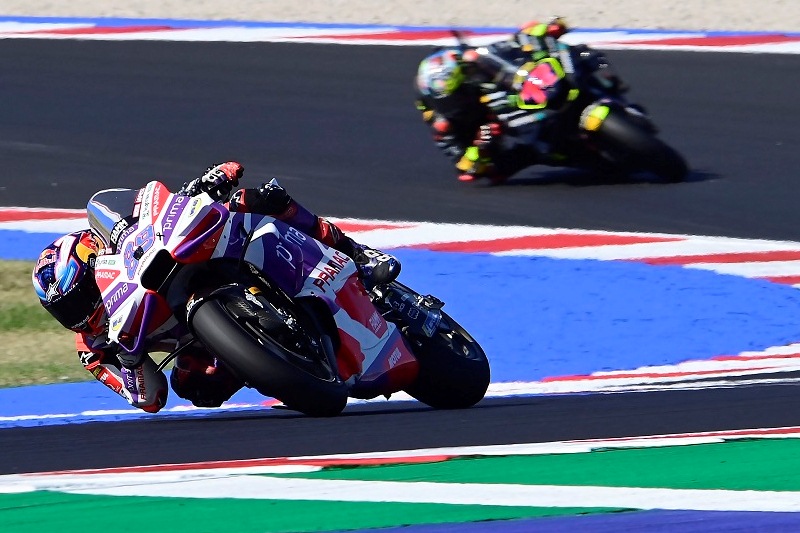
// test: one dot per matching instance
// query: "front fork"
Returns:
(421, 315)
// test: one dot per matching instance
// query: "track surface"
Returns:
(400, 426)
(337, 125)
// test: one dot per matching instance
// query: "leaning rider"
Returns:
(64, 281)
(467, 96)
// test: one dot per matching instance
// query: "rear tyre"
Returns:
(453, 368)
(637, 149)
(293, 365)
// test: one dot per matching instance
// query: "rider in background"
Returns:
(468, 97)
(64, 281)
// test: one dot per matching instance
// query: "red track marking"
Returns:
(248, 463)
(746, 257)
(722, 40)
(101, 30)
(16, 216)
(648, 375)
(786, 280)
(21, 214)
(754, 357)
(365, 226)
(724, 433)
(391, 35)
(542, 242)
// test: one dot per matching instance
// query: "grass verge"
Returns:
(34, 348)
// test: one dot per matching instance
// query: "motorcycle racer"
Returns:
(467, 96)
(64, 280)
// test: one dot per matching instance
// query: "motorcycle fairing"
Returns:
(593, 116)
(371, 348)
(165, 222)
(197, 229)
(533, 79)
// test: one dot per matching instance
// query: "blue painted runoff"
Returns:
(21, 245)
(614, 522)
(539, 317)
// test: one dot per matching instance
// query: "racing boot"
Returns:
(374, 266)
(200, 378)
(477, 159)
(143, 385)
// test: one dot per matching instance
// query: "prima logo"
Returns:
(172, 214)
(116, 296)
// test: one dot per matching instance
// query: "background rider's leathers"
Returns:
(458, 121)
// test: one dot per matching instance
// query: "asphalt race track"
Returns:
(397, 426)
(337, 126)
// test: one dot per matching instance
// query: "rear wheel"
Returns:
(636, 149)
(453, 368)
(274, 346)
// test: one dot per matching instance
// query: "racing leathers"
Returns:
(476, 117)
(197, 375)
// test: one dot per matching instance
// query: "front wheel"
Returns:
(636, 149)
(453, 368)
(277, 347)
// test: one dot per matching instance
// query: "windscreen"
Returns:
(108, 207)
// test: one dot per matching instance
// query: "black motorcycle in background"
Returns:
(594, 126)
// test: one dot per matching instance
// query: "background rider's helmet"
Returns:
(440, 74)
(64, 281)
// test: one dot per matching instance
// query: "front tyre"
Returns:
(453, 368)
(637, 149)
(290, 364)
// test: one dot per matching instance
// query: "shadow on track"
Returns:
(584, 178)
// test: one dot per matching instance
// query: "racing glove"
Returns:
(218, 181)
(445, 139)
(442, 131)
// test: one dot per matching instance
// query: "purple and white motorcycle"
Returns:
(287, 314)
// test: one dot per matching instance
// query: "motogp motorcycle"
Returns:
(287, 314)
(595, 127)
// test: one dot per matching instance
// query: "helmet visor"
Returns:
(76, 309)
